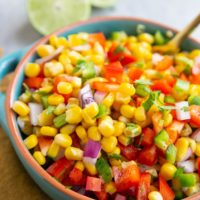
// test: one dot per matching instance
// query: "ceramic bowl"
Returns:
(18, 59)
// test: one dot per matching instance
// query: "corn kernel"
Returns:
(91, 109)
(127, 88)
(25, 97)
(94, 134)
(45, 119)
(96, 59)
(194, 53)
(74, 115)
(73, 153)
(74, 57)
(91, 168)
(87, 119)
(39, 157)
(81, 132)
(140, 114)
(108, 100)
(44, 50)
(64, 88)
(110, 188)
(197, 150)
(122, 98)
(52, 69)
(124, 140)
(68, 68)
(36, 97)
(48, 131)
(115, 162)
(192, 143)
(21, 108)
(60, 109)
(53, 40)
(98, 49)
(32, 70)
(68, 129)
(167, 171)
(127, 111)
(109, 143)
(62, 41)
(55, 99)
(79, 165)
(119, 128)
(124, 119)
(76, 82)
(182, 145)
(116, 150)
(155, 195)
(64, 59)
(194, 90)
(31, 141)
(146, 37)
(53, 150)
(106, 128)
(63, 140)
(168, 118)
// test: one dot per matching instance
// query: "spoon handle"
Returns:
(177, 40)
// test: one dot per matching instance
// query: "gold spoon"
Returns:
(173, 45)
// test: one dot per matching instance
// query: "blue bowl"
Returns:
(17, 61)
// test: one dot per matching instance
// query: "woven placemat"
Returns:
(15, 183)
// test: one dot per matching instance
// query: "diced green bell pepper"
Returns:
(194, 100)
(102, 111)
(182, 86)
(161, 139)
(142, 90)
(187, 180)
(171, 153)
(132, 130)
(169, 99)
(118, 35)
(159, 38)
(60, 120)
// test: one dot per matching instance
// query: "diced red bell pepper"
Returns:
(113, 72)
(195, 115)
(127, 59)
(103, 195)
(166, 192)
(129, 152)
(127, 177)
(148, 156)
(171, 80)
(60, 168)
(195, 79)
(93, 184)
(162, 85)
(44, 144)
(120, 197)
(135, 73)
(97, 37)
(164, 64)
(198, 165)
(104, 86)
(76, 177)
(147, 136)
(34, 82)
(144, 186)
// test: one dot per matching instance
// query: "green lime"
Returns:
(103, 3)
(48, 15)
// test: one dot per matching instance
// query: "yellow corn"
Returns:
(115, 162)
(91, 109)
(73, 153)
(146, 37)
(63, 140)
(60, 109)
(74, 57)
(108, 100)
(81, 132)
(39, 157)
(98, 49)
(116, 150)
(36, 97)
(127, 88)
(155, 195)
(94, 134)
(48, 131)
(25, 97)
(122, 98)
(68, 68)
(167, 119)
(74, 101)
(46, 88)
(45, 119)
(132, 39)
(31, 141)
(182, 145)
(192, 143)
(62, 41)
(109, 143)
(106, 127)
(64, 59)
(74, 115)
(92, 170)
(127, 111)
(140, 114)
(32, 70)
(21, 108)
(53, 150)
(96, 59)
(167, 171)
(68, 129)
(124, 119)
(124, 140)
(53, 40)
(119, 128)
(53, 68)
(45, 50)
(194, 90)
(55, 99)
(76, 82)
(79, 165)
(64, 88)
(86, 125)
(195, 53)
(110, 188)
(197, 150)
(77, 39)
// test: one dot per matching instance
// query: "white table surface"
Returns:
(16, 32)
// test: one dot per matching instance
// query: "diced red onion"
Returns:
(85, 96)
(21, 123)
(99, 96)
(188, 154)
(84, 47)
(50, 57)
(120, 197)
(196, 135)
(35, 110)
(92, 149)
(181, 114)
(187, 165)
(156, 57)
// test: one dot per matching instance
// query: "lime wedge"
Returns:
(48, 15)
(103, 3)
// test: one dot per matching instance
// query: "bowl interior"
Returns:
(105, 25)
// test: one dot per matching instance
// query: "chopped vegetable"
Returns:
(182, 110)
(93, 184)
